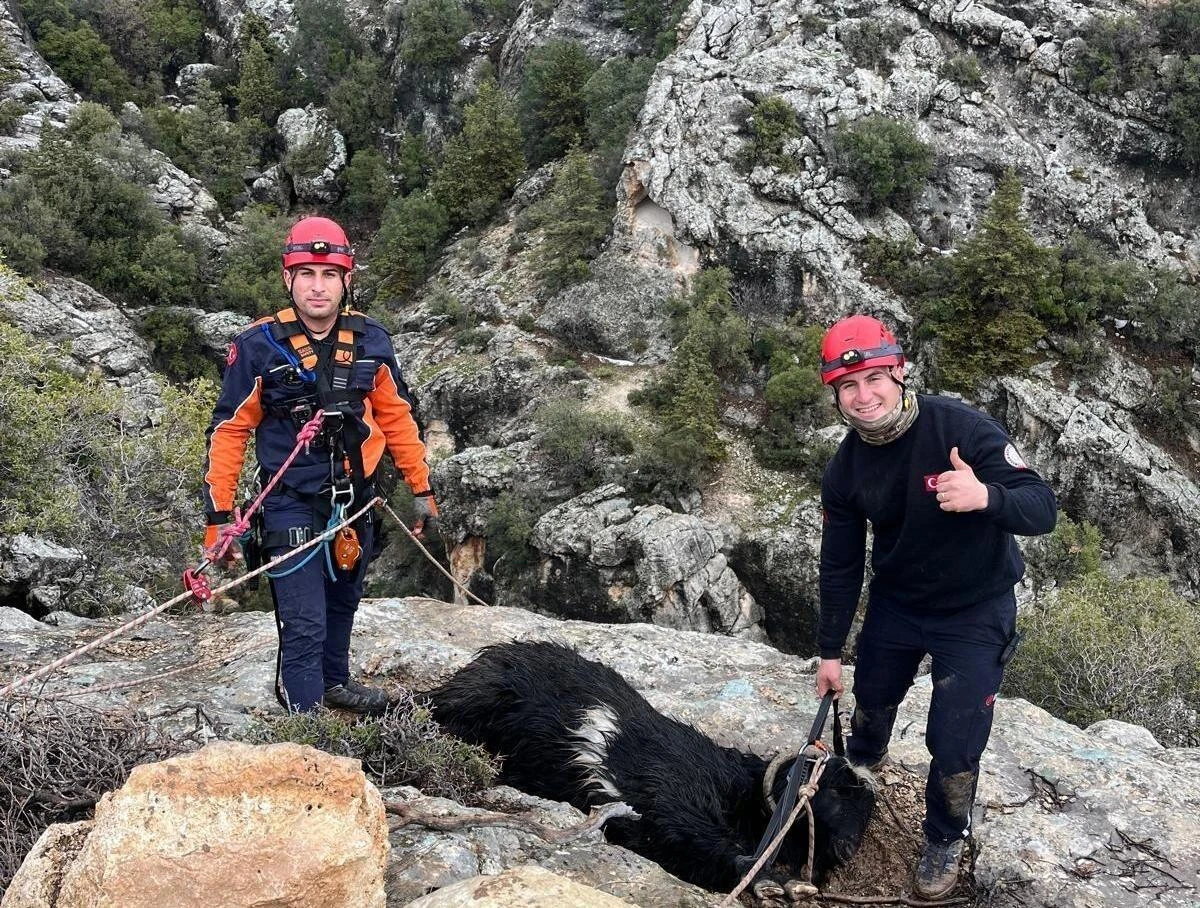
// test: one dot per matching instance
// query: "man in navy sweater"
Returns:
(944, 490)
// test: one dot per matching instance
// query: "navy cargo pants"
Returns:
(967, 646)
(314, 612)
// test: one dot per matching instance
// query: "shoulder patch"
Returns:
(1013, 457)
(231, 355)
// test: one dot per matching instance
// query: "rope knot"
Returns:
(310, 429)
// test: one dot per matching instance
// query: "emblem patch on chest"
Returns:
(231, 355)
(930, 482)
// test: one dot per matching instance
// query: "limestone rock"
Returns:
(641, 563)
(520, 887)
(39, 878)
(309, 135)
(283, 825)
(34, 570)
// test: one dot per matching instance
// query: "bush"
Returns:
(796, 401)
(1167, 411)
(251, 282)
(1182, 88)
(1071, 551)
(552, 109)
(368, 185)
(963, 69)
(151, 39)
(508, 530)
(871, 43)
(325, 45)
(77, 54)
(582, 444)
(1116, 57)
(482, 163)
(259, 90)
(177, 348)
(1121, 649)
(74, 463)
(201, 140)
(361, 102)
(654, 22)
(884, 158)
(574, 218)
(1002, 281)
(405, 746)
(773, 123)
(309, 160)
(408, 240)
(10, 115)
(614, 96)
(432, 30)
(1178, 24)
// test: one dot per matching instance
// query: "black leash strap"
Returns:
(801, 770)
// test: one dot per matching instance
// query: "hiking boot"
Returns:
(356, 698)
(937, 873)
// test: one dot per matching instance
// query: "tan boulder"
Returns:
(39, 879)
(282, 825)
(521, 887)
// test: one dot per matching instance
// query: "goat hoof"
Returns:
(767, 889)
(800, 891)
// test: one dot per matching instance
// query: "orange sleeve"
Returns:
(233, 422)
(393, 415)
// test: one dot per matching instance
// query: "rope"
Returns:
(241, 522)
(54, 666)
(223, 658)
(802, 803)
(387, 507)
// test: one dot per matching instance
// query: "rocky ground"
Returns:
(1066, 818)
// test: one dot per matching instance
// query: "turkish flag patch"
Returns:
(231, 355)
(930, 481)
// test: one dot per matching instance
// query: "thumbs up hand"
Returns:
(958, 489)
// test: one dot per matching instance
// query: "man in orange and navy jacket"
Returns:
(314, 356)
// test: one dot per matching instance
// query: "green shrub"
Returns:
(413, 163)
(1116, 57)
(74, 463)
(482, 163)
(654, 22)
(1002, 281)
(1167, 411)
(552, 109)
(871, 43)
(325, 45)
(1178, 24)
(10, 115)
(177, 349)
(772, 123)
(250, 281)
(574, 218)
(368, 185)
(361, 102)
(432, 30)
(796, 400)
(884, 158)
(614, 96)
(508, 530)
(405, 746)
(308, 160)
(582, 444)
(1182, 88)
(259, 90)
(76, 52)
(963, 69)
(407, 243)
(150, 39)
(201, 140)
(1121, 649)
(1071, 551)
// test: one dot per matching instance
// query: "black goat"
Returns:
(573, 730)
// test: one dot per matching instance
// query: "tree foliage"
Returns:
(553, 110)
(614, 96)
(884, 158)
(432, 30)
(772, 123)
(482, 163)
(408, 240)
(574, 218)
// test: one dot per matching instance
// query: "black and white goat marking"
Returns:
(573, 730)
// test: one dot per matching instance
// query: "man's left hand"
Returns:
(959, 489)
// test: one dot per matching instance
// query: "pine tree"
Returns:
(482, 162)
(553, 109)
(257, 92)
(575, 216)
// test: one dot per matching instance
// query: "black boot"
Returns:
(356, 698)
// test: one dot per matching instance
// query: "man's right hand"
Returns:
(829, 677)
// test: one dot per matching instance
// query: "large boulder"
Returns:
(314, 153)
(281, 825)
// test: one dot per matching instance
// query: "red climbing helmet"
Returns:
(317, 241)
(856, 343)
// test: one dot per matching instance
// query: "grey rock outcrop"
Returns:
(310, 137)
(605, 557)
(94, 333)
(31, 82)
(34, 573)
(1065, 818)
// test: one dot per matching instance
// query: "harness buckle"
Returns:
(297, 536)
